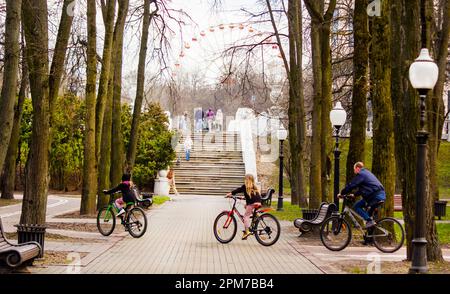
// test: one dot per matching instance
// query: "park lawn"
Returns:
(158, 200)
(6, 202)
(444, 170)
(399, 214)
(444, 233)
(290, 212)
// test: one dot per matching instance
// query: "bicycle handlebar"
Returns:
(235, 197)
(347, 196)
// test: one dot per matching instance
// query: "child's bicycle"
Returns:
(264, 226)
(134, 219)
(336, 233)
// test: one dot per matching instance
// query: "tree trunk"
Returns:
(356, 150)
(322, 73)
(59, 56)
(296, 105)
(404, 49)
(435, 116)
(105, 74)
(11, 65)
(35, 24)
(383, 164)
(117, 149)
(315, 183)
(9, 172)
(297, 136)
(89, 191)
(104, 166)
(327, 77)
(131, 154)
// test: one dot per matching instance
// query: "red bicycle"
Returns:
(264, 226)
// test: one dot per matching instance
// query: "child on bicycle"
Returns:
(252, 199)
(126, 188)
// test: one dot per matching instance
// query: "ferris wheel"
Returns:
(218, 53)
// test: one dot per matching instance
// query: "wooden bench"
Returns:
(325, 210)
(14, 255)
(397, 202)
(266, 198)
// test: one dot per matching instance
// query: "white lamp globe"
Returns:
(423, 72)
(282, 134)
(338, 116)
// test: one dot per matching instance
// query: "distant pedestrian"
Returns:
(171, 178)
(198, 120)
(184, 123)
(210, 118)
(187, 147)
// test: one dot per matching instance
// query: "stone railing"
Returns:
(248, 149)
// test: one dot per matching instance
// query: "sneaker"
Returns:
(246, 234)
(370, 224)
(122, 211)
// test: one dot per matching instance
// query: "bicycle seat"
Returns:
(257, 205)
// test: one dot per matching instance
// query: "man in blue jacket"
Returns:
(371, 190)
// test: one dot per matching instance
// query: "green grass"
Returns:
(399, 214)
(290, 212)
(443, 167)
(158, 200)
(443, 233)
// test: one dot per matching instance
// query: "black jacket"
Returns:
(249, 200)
(127, 192)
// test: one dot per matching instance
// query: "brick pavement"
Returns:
(180, 240)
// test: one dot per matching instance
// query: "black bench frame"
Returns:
(266, 198)
(15, 255)
(325, 210)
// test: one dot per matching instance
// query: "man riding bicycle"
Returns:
(371, 190)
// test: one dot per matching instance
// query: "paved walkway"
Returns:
(180, 240)
(56, 205)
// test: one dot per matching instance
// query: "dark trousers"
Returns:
(373, 203)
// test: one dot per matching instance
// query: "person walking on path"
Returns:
(184, 123)
(210, 118)
(171, 178)
(252, 200)
(371, 190)
(188, 147)
(198, 120)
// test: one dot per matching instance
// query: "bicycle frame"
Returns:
(111, 207)
(234, 210)
(354, 217)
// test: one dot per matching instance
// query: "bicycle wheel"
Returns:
(268, 229)
(388, 235)
(136, 222)
(106, 221)
(225, 227)
(335, 233)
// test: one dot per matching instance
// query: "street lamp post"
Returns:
(338, 116)
(423, 75)
(282, 135)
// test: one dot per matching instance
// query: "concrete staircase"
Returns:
(215, 167)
